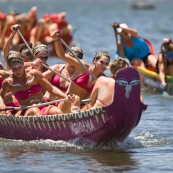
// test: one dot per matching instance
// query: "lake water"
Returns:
(149, 148)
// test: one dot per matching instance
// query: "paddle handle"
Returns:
(40, 104)
(115, 25)
(25, 42)
(44, 104)
(55, 72)
(42, 63)
(86, 69)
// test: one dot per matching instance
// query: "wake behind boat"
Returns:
(115, 121)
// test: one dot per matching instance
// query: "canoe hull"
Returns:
(93, 125)
(55, 127)
(151, 81)
(102, 124)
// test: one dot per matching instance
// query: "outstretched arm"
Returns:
(47, 85)
(131, 31)
(48, 73)
(61, 53)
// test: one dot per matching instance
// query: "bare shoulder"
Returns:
(87, 65)
(57, 66)
(104, 80)
(7, 80)
(5, 73)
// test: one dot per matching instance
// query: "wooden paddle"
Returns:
(115, 25)
(25, 42)
(35, 105)
(42, 63)
(40, 104)
(56, 72)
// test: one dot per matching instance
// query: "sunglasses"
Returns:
(16, 67)
(43, 57)
(104, 62)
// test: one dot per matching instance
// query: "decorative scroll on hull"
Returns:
(99, 125)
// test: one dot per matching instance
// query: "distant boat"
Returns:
(151, 81)
(143, 5)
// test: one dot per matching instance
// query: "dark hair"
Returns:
(26, 52)
(23, 46)
(99, 54)
(167, 46)
(77, 51)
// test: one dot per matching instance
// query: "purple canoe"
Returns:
(102, 124)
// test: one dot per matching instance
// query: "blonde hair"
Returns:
(118, 64)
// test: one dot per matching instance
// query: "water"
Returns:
(149, 148)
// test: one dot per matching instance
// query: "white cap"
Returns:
(165, 40)
(34, 8)
(123, 25)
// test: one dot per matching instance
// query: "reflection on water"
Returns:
(18, 153)
(115, 161)
(94, 160)
(82, 156)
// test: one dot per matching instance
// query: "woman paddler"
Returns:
(28, 88)
(133, 47)
(65, 70)
(82, 82)
(104, 91)
(164, 64)
(8, 46)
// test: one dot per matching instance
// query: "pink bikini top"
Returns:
(82, 81)
(56, 81)
(24, 94)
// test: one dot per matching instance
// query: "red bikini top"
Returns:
(24, 94)
(82, 81)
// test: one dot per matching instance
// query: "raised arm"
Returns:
(48, 73)
(131, 31)
(61, 53)
(8, 43)
(47, 85)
